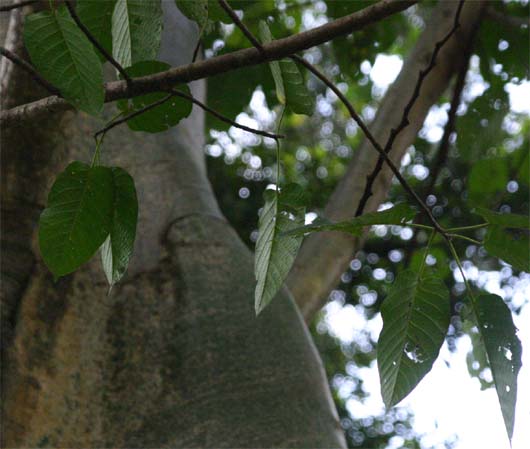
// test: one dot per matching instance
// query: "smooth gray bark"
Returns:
(174, 356)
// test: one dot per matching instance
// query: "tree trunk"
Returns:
(174, 356)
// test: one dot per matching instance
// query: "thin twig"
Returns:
(196, 51)
(16, 5)
(29, 69)
(233, 15)
(394, 132)
(225, 119)
(276, 50)
(96, 44)
(175, 93)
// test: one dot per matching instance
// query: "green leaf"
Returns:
(415, 320)
(118, 247)
(275, 253)
(161, 117)
(397, 215)
(216, 13)
(298, 98)
(136, 30)
(96, 15)
(503, 220)
(510, 245)
(503, 349)
(488, 177)
(77, 219)
(196, 10)
(266, 37)
(64, 56)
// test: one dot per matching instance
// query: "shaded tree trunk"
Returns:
(174, 356)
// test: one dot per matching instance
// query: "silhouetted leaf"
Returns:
(504, 220)
(64, 56)
(397, 215)
(415, 320)
(118, 247)
(503, 349)
(78, 217)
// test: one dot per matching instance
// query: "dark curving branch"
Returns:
(237, 21)
(29, 69)
(275, 50)
(404, 119)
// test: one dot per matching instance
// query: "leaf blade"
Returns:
(411, 339)
(64, 56)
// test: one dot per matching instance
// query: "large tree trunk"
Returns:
(174, 356)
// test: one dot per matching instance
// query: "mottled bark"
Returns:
(174, 356)
(325, 256)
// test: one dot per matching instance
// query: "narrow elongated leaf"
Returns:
(415, 321)
(161, 117)
(266, 37)
(275, 254)
(118, 247)
(510, 245)
(504, 220)
(196, 10)
(78, 217)
(397, 215)
(503, 349)
(96, 15)
(136, 30)
(297, 97)
(64, 56)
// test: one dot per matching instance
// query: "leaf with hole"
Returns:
(275, 253)
(159, 118)
(503, 349)
(136, 31)
(77, 219)
(509, 244)
(397, 215)
(64, 56)
(118, 247)
(96, 15)
(415, 320)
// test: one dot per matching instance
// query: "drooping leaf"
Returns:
(136, 30)
(415, 320)
(161, 117)
(64, 56)
(77, 218)
(297, 97)
(196, 10)
(504, 220)
(266, 37)
(96, 15)
(397, 215)
(503, 349)
(510, 245)
(118, 247)
(275, 253)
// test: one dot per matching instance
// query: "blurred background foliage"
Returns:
(487, 165)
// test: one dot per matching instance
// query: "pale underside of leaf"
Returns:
(415, 321)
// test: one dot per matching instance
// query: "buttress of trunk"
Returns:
(174, 356)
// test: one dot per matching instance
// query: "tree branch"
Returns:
(277, 49)
(29, 69)
(405, 118)
(96, 44)
(16, 5)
